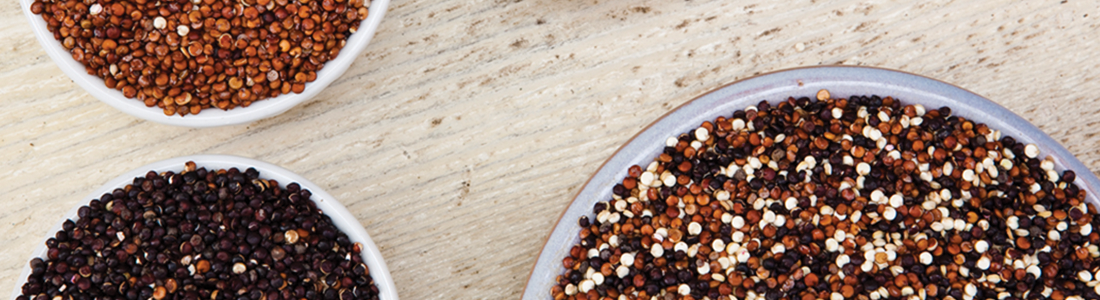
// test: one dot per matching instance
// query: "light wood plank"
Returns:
(462, 132)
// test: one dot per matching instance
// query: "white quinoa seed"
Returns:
(716, 276)
(863, 168)
(831, 245)
(603, 215)
(968, 175)
(701, 134)
(738, 222)
(627, 259)
(671, 141)
(668, 179)
(586, 285)
(877, 195)
(597, 278)
(570, 289)
(842, 260)
(722, 195)
(993, 278)
(160, 23)
(683, 289)
(1031, 150)
(704, 269)
(769, 216)
(239, 268)
(646, 178)
(743, 255)
(778, 248)
(896, 200)
(1035, 270)
(95, 9)
(694, 228)
(1084, 276)
(981, 246)
(738, 124)
(791, 203)
(622, 271)
(718, 245)
(889, 213)
(680, 246)
(620, 205)
(926, 258)
(874, 134)
(657, 250)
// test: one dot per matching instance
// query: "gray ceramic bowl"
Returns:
(841, 82)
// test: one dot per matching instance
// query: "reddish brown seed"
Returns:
(159, 293)
(810, 279)
(208, 33)
(202, 266)
(568, 262)
(109, 44)
(37, 7)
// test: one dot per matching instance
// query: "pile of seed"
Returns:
(201, 234)
(857, 198)
(188, 55)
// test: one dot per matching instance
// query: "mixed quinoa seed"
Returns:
(200, 234)
(857, 198)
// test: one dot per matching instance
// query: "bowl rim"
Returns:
(329, 73)
(341, 217)
(792, 82)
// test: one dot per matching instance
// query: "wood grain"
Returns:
(466, 126)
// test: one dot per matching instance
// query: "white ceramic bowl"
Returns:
(208, 117)
(340, 216)
(841, 82)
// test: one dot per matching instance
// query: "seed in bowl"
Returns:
(184, 56)
(199, 234)
(826, 198)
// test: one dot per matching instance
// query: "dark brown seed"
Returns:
(150, 241)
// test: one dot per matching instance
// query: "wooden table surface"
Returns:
(464, 129)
